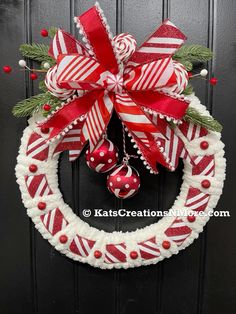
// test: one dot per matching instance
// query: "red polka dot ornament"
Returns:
(124, 181)
(104, 157)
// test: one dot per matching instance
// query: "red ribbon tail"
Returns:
(161, 103)
(68, 114)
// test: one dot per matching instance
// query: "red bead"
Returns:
(97, 254)
(133, 255)
(33, 168)
(44, 32)
(166, 245)
(63, 238)
(46, 107)
(206, 184)
(44, 130)
(190, 74)
(213, 81)
(42, 205)
(7, 69)
(204, 145)
(191, 218)
(33, 76)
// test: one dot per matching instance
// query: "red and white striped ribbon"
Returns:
(196, 200)
(54, 221)
(178, 231)
(81, 246)
(115, 253)
(37, 185)
(149, 249)
(37, 147)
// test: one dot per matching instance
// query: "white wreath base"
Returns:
(112, 244)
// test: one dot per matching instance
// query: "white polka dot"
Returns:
(91, 158)
(116, 154)
(111, 184)
(109, 161)
(86, 152)
(118, 179)
(101, 154)
(135, 180)
(127, 186)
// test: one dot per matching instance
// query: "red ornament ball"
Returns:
(7, 69)
(124, 181)
(44, 130)
(44, 32)
(46, 107)
(103, 158)
(33, 76)
(213, 81)
(33, 168)
(42, 205)
(97, 254)
(204, 145)
(166, 245)
(206, 184)
(133, 255)
(191, 218)
(63, 238)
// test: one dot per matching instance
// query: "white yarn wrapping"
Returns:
(54, 88)
(78, 226)
(125, 45)
(181, 77)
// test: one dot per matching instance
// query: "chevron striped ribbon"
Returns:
(96, 70)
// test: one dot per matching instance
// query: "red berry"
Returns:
(33, 76)
(213, 81)
(44, 130)
(206, 184)
(46, 107)
(190, 74)
(44, 32)
(7, 69)
(97, 254)
(166, 245)
(133, 255)
(33, 168)
(63, 239)
(41, 205)
(204, 145)
(191, 218)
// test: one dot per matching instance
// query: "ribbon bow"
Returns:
(132, 87)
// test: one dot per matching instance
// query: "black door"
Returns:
(37, 279)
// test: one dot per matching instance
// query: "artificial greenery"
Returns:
(189, 55)
(36, 52)
(34, 104)
(188, 90)
(52, 31)
(208, 122)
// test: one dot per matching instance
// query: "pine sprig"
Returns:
(52, 31)
(193, 53)
(188, 90)
(36, 52)
(34, 104)
(208, 122)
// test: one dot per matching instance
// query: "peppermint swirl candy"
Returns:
(125, 45)
(52, 86)
(181, 78)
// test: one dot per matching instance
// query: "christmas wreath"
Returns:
(148, 88)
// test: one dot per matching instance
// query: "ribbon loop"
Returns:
(97, 34)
